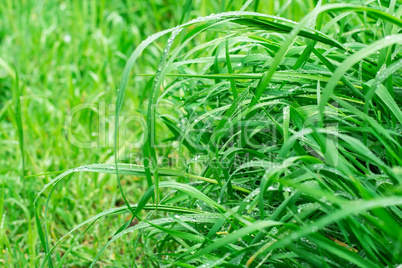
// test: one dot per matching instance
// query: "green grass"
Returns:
(271, 134)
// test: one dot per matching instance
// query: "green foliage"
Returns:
(282, 134)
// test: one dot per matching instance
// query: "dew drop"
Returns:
(67, 38)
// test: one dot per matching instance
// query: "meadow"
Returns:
(200, 133)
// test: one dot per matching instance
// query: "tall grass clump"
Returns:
(282, 141)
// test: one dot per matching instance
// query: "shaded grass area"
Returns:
(266, 142)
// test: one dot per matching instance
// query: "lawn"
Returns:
(200, 133)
